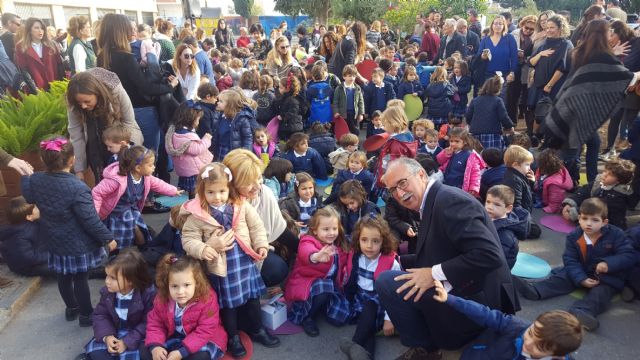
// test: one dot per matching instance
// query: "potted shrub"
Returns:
(24, 123)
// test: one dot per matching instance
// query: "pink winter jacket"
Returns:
(188, 152)
(305, 272)
(554, 188)
(109, 191)
(472, 172)
(201, 322)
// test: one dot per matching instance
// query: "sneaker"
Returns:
(588, 321)
(71, 314)
(627, 294)
(85, 321)
(310, 328)
(420, 353)
(525, 288)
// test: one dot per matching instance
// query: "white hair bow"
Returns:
(205, 172)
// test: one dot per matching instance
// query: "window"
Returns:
(42, 12)
(103, 12)
(132, 15)
(70, 11)
(147, 18)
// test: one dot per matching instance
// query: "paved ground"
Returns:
(40, 332)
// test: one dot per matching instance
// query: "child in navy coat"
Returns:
(304, 158)
(495, 170)
(353, 205)
(439, 93)
(461, 82)
(507, 337)
(377, 93)
(410, 84)
(356, 170)
(597, 257)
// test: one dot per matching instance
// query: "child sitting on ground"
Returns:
(304, 158)
(356, 171)
(339, 158)
(279, 178)
(507, 337)
(353, 205)
(495, 170)
(519, 176)
(263, 146)
(612, 186)
(461, 164)
(431, 145)
(596, 257)
(21, 243)
(512, 224)
(223, 80)
(325, 143)
(552, 181)
(303, 201)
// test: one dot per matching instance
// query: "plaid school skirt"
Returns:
(243, 280)
(362, 297)
(175, 343)
(187, 183)
(338, 308)
(94, 345)
(77, 264)
(123, 226)
(490, 140)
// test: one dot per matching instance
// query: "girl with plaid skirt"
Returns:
(188, 151)
(314, 285)
(373, 251)
(120, 318)
(461, 82)
(184, 322)
(487, 116)
(227, 232)
(76, 238)
(461, 164)
(119, 197)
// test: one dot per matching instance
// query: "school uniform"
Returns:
(364, 176)
(300, 210)
(424, 149)
(310, 162)
(350, 218)
(126, 215)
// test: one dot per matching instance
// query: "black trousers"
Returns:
(366, 328)
(74, 289)
(246, 317)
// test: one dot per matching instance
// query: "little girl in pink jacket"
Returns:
(553, 179)
(188, 152)
(120, 196)
(461, 165)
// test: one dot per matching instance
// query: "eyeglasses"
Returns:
(283, 47)
(402, 185)
(189, 56)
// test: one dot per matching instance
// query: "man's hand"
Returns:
(418, 282)
(388, 328)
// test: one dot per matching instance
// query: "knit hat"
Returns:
(386, 65)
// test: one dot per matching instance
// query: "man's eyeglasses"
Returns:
(402, 185)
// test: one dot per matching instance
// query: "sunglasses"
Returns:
(189, 56)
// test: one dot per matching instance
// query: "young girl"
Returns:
(303, 202)
(119, 197)
(373, 251)
(419, 129)
(303, 157)
(232, 124)
(235, 70)
(353, 205)
(279, 178)
(120, 318)
(147, 46)
(461, 82)
(76, 238)
(487, 116)
(249, 83)
(265, 97)
(263, 146)
(356, 170)
(184, 322)
(226, 232)
(189, 152)
(439, 93)
(317, 276)
(461, 164)
(552, 181)
(291, 111)
(410, 84)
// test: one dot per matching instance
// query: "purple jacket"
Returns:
(105, 318)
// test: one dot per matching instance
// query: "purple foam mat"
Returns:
(557, 223)
(288, 328)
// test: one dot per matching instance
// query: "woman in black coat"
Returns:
(223, 35)
(349, 51)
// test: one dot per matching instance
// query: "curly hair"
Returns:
(389, 241)
(171, 264)
(549, 163)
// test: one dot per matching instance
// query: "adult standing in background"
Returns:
(388, 36)
(38, 55)
(594, 12)
(474, 22)
(186, 70)
(373, 35)
(284, 31)
(81, 53)
(518, 89)
(614, 11)
(458, 245)
(430, 43)
(201, 58)
(163, 37)
(223, 35)
(328, 45)
(499, 51)
(510, 25)
(280, 61)
(11, 23)
(473, 41)
(262, 46)
(350, 50)
(450, 42)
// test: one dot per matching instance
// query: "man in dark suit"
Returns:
(457, 244)
(473, 41)
(451, 42)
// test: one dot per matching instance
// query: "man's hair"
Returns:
(516, 154)
(412, 166)
(6, 17)
(493, 157)
(614, 2)
(594, 207)
(502, 192)
(507, 15)
(191, 41)
(472, 12)
(621, 169)
(557, 332)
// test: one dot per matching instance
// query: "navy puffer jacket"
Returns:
(241, 132)
(439, 95)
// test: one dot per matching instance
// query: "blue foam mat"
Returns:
(530, 266)
(172, 201)
(324, 183)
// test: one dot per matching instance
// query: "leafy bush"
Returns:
(25, 122)
(403, 15)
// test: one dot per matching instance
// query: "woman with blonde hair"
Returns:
(246, 170)
(279, 60)
(81, 54)
(499, 52)
(38, 55)
(187, 71)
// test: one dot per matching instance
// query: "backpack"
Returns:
(424, 74)
(320, 103)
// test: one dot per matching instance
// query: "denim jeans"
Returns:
(571, 158)
(148, 120)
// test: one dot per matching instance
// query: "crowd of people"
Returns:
(253, 124)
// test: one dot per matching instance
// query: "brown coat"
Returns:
(201, 230)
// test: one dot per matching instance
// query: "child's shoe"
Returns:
(71, 314)
(85, 321)
(588, 321)
(264, 338)
(525, 288)
(310, 328)
(627, 294)
(235, 347)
